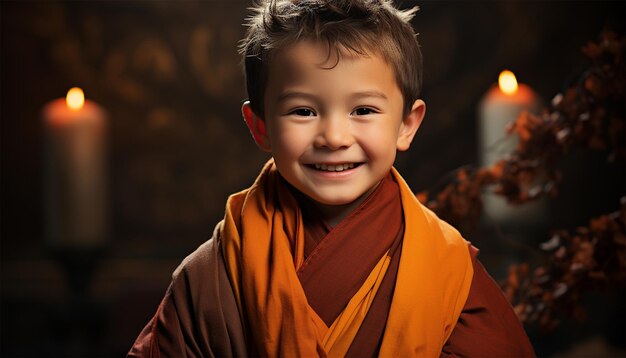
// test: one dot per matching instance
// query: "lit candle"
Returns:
(75, 173)
(501, 106)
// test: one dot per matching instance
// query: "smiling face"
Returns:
(333, 132)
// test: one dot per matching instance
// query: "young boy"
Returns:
(329, 253)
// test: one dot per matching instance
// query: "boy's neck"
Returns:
(332, 215)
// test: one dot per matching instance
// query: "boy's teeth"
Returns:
(334, 168)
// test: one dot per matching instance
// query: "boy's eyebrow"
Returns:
(369, 94)
(289, 94)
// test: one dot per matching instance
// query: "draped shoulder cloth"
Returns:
(262, 241)
(243, 288)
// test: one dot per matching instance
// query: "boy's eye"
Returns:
(303, 112)
(363, 111)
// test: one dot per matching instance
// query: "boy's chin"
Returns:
(334, 201)
(338, 200)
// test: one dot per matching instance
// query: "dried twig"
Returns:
(588, 115)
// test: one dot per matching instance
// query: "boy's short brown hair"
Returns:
(359, 26)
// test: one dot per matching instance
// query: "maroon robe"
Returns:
(375, 226)
(199, 317)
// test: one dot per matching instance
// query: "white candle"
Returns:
(501, 106)
(75, 173)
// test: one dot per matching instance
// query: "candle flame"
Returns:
(75, 98)
(507, 82)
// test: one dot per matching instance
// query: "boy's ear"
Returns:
(256, 125)
(410, 124)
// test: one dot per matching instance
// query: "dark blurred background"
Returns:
(168, 75)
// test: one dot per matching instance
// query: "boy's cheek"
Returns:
(285, 144)
(290, 134)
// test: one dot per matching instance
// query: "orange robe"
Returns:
(201, 316)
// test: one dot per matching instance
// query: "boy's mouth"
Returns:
(333, 167)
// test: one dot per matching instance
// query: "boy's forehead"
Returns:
(309, 53)
(309, 67)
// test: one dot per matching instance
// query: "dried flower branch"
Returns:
(588, 115)
(590, 257)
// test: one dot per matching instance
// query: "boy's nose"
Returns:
(335, 133)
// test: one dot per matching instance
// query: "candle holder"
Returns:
(79, 265)
(81, 317)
